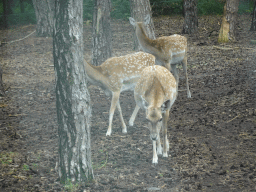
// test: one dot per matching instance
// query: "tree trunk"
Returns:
(44, 16)
(139, 10)
(21, 6)
(72, 96)
(5, 14)
(253, 26)
(229, 22)
(190, 16)
(102, 35)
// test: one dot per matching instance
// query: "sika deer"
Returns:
(155, 92)
(168, 50)
(118, 74)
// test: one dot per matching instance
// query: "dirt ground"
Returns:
(212, 135)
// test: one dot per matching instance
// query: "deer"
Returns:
(155, 92)
(168, 50)
(118, 74)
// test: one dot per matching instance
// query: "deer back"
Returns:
(155, 86)
(125, 69)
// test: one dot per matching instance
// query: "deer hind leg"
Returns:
(166, 142)
(184, 63)
(124, 129)
(134, 114)
(115, 100)
(175, 74)
(158, 146)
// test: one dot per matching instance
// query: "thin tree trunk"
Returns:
(44, 16)
(139, 10)
(72, 96)
(102, 35)
(21, 6)
(5, 14)
(253, 26)
(190, 17)
(229, 22)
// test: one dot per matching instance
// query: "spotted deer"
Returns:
(155, 92)
(118, 74)
(168, 50)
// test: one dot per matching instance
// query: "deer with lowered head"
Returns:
(168, 50)
(155, 92)
(118, 74)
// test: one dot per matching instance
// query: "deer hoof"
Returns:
(165, 154)
(124, 131)
(108, 133)
(189, 94)
(155, 161)
(131, 123)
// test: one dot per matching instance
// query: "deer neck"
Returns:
(155, 94)
(146, 43)
(94, 74)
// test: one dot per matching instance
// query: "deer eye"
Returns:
(160, 120)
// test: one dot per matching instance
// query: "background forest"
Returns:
(20, 12)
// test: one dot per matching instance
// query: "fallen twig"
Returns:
(18, 39)
(225, 48)
(233, 118)
(105, 161)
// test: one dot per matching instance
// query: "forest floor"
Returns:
(212, 135)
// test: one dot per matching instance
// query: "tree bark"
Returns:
(5, 14)
(44, 16)
(229, 22)
(102, 35)
(139, 10)
(253, 26)
(190, 17)
(72, 96)
(22, 6)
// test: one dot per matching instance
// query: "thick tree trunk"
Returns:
(139, 10)
(102, 35)
(72, 96)
(253, 26)
(229, 22)
(44, 16)
(190, 17)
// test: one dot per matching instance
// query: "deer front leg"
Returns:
(166, 142)
(134, 114)
(124, 129)
(159, 147)
(184, 63)
(115, 100)
(155, 158)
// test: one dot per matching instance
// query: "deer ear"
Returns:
(147, 19)
(165, 105)
(132, 21)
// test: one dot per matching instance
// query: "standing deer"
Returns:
(155, 92)
(168, 50)
(118, 74)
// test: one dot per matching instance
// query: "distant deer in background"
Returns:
(118, 74)
(156, 92)
(168, 50)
